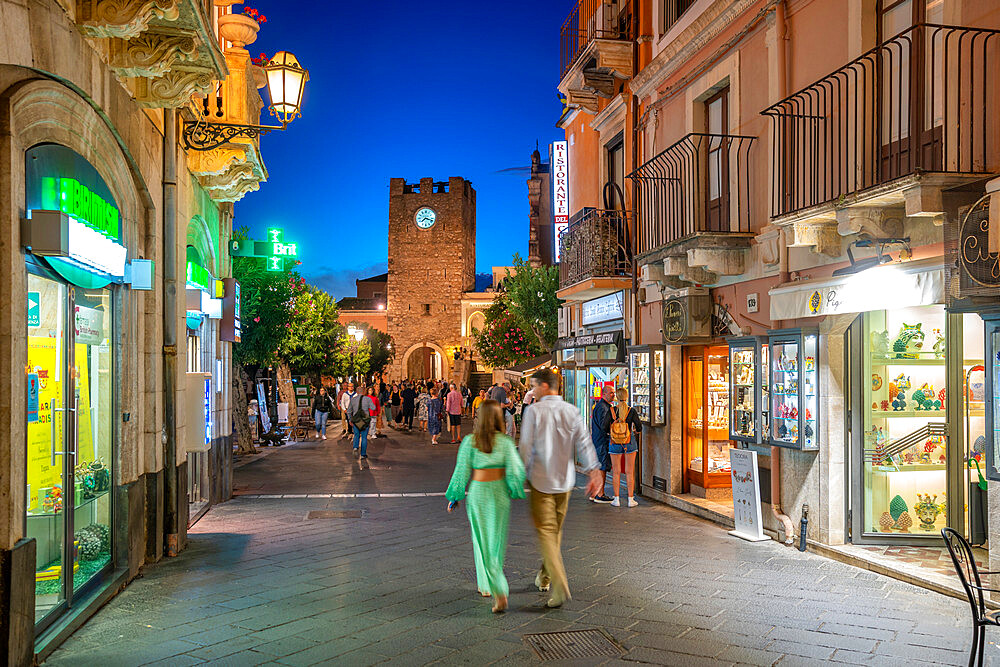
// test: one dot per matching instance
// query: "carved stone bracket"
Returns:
(821, 234)
(217, 160)
(583, 99)
(150, 54)
(171, 90)
(768, 249)
(613, 56)
(677, 266)
(876, 222)
(122, 18)
(600, 83)
(229, 172)
(719, 261)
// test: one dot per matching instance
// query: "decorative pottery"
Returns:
(880, 343)
(238, 29)
(886, 522)
(908, 342)
(259, 76)
(927, 510)
(904, 522)
(876, 381)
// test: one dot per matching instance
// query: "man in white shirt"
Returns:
(550, 433)
(345, 405)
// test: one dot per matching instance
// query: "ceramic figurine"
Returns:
(927, 510)
(896, 507)
(810, 364)
(904, 522)
(924, 398)
(941, 395)
(938, 344)
(884, 406)
(880, 343)
(909, 341)
(929, 446)
(924, 458)
(886, 522)
(876, 381)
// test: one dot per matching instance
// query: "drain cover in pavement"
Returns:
(334, 514)
(572, 644)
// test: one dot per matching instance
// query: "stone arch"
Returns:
(199, 237)
(477, 320)
(46, 111)
(416, 346)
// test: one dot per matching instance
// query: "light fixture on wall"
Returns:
(286, 81)
(881, 255)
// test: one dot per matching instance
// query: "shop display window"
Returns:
(905, 443)
(640, 381)
(748, 390)
(794, 386)
(706, 416)
(991, 372)
(646, 383)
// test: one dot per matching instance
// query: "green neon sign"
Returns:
(78, 201)
(275, 264)
(198, 276)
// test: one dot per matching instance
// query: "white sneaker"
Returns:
(324, 437)
(615, 503)
(632, 502)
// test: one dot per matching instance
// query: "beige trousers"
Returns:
(548, 510)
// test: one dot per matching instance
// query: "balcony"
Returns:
(596, 48)
(694, 207)
(595, 255)
(894, 126)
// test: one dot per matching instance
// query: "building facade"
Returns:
(118, 429)
(811, 252)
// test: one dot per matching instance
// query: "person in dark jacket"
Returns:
(322, 407)
(408, 397)
(600, 433)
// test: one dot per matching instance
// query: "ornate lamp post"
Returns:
(286, 80)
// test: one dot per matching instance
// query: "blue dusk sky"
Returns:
(404, 89)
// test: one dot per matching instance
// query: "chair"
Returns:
(968, 573)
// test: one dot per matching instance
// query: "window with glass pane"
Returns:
(905, 458)
(743, 384)
(785, 392)
(639, 364)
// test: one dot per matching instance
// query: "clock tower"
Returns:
(432, 262)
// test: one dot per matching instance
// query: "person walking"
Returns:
(345, 404)
(434, 409)
(359, 412)
(423, 398)
(376, 413)
(466, 400)
(395, 405)
(408, 397)
(322, 407)
(600, 434)
(625, 431)
(453, 403)
(385, 414)
(552, 430)
(491, 460)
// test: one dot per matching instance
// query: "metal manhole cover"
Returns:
(335, 514)
(573, 644)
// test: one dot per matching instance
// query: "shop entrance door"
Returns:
(706, 421)
(70, 395)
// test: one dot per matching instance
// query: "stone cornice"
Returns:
(150, 54)
(683, 47)
(122, 18)
(613, 112)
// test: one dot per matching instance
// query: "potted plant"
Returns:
(241, 29)
(257, 69)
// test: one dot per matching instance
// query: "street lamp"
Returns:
(286, 79)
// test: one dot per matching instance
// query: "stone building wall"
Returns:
(429, 269)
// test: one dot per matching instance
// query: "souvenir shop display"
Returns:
(706, 394)
(794, 388)
(748, 402)
(991, 376)
(647, 390)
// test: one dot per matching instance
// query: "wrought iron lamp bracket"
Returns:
(204, 136)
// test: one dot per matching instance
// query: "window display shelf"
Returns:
(909, 467)
(890, 361)
(86, 502)
(879, 414)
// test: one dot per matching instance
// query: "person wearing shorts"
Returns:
(453, 406)
(623, 456)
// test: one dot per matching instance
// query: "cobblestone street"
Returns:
(389, 579)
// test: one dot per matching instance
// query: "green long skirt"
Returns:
(488, 507)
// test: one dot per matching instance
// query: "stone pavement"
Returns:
(391, 580)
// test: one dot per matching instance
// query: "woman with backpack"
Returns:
(491, 461)
(625, 430)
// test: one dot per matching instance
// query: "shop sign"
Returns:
(231, 329)
(753, 302)
(34, 309)
(979, 259)
(675, 320)
(609, 338)
(207, 406)
(78, 201)
(746, 495)
(89, 325)
(198, 277)
(887, 287)
(559, 170)
(32, 397)
(604, 308)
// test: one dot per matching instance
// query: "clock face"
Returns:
(425, 218)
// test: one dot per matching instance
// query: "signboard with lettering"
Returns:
(230, 329)
(604, 308)
(746, 495)
(34, 309)
(674, 320)
(559, 175)
(616, 338)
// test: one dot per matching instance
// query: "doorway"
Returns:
(69, 439)
(705, 450)
(423, 362)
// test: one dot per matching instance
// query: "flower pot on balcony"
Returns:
(238, 29)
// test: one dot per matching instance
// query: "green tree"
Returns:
(314, 332)
(352, 357)
(532, 300)
(380, 349)
(503, 342)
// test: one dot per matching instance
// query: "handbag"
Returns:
(621, 434)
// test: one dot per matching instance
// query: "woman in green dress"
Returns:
(491, 460)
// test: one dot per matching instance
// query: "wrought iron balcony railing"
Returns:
(700, 184)
(590, 20)
(923, 100)
(595, 245)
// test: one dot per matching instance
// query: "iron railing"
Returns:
(923, 100)
(700, 184)
(590, 20)
(594, 245)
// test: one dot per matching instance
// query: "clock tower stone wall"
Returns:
(429, 270)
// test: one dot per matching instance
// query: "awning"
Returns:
(528, 367)
(915, 283)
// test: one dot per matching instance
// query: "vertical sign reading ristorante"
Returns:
(559, 166)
